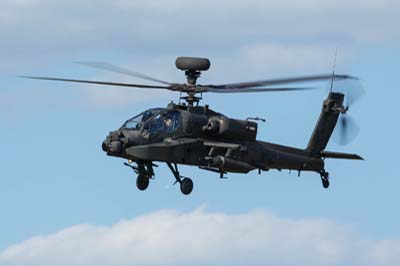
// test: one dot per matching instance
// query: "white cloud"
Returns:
(244, 39)
(279, 58)
(46, 33)
(204, 238)
(37, 30)
(178, 5)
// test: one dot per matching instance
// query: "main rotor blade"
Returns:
(101, 83)
(246, 90)
(269, 82)
(120, 70)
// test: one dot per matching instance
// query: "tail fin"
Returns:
(326, 124)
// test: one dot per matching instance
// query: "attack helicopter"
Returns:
(186, 133)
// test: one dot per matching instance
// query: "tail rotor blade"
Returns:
(346, 131)
(355, 94)
(351, 88)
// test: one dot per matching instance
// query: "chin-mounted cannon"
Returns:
(232, 129)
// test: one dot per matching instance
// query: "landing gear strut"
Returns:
(186, 183)
(324, 178)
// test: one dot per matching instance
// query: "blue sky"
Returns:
(54, 174)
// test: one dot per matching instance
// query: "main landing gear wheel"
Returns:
(142, 182)
(186, 186)
(186, 183)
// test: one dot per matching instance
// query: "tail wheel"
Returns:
(325, 178)
(142, 182)
(325, 182)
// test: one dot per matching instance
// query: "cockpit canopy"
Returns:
(138, 121)
(154, 120)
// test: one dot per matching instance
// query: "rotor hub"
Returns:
(192, 67)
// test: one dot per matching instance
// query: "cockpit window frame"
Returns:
(140, 124)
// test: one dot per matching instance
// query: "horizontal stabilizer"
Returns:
(339, 155)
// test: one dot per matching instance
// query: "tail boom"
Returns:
(326, 124)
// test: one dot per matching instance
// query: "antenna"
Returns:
(334, 66)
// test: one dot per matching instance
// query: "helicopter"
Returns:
(187, 133)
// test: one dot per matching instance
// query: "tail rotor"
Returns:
(347, 129)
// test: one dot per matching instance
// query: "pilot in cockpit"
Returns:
(168, 125)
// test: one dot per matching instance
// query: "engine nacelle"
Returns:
(231, 128)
